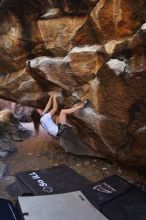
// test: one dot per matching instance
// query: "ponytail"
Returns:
(35, 116)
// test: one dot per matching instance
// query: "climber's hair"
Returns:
(35, 116)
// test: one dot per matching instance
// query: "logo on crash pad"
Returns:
(41, 183)
(104, 188)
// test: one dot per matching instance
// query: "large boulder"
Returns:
(93, 49)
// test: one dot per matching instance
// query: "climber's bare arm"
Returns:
(48, 105)
(55, 106)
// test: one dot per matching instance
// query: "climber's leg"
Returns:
(64, 112)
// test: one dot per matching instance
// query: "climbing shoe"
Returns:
(86, 103)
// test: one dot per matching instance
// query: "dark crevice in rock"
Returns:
(135, 113)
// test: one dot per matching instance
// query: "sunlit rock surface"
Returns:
(93, 49)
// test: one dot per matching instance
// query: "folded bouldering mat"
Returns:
(67, 206)
(59, 179)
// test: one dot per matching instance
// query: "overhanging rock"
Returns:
(91, 49)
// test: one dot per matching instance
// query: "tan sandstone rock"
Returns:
(59, 39)
(92, 49)
(117, 19)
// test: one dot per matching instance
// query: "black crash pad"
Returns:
(130, 206)
(59, 179)
(117, 199)
(18, 189)
(106, 190)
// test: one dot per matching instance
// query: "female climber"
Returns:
(44, 117)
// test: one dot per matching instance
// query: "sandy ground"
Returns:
(43, 152)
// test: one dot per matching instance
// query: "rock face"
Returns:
(93, 49)
(21, 112)
(10, 130)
